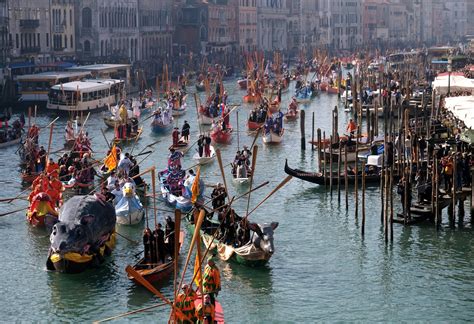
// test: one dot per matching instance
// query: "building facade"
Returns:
(63, 29)
(107, 30)
(29, 29)
(341, 24)
(191, 30)
(272, 25)
(375, 24)
(4, 41)
(223, 26)
(247, 14)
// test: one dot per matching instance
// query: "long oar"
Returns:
(106, 140)
(10, 199)
(288, 178)
(128, 239)
(12, 212)
(130, 313)
(219, 159)
(145, 283)
(254, 162)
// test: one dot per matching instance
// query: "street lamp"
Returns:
(450, 68)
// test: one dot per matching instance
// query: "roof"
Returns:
(52, 75)
(83, 86)
(100, 67)
(19, 65)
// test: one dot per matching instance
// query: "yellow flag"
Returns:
(197, 263)
(195, 187)
(111, 160)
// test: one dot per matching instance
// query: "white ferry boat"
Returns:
(88, 95)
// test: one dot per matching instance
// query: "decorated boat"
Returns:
(131, 138)
(293, 112)
(201, 86)
(201, 160)
(252, 98)
(162, 122)
(273, 129)
(41, 211)
(242, 83)
(252, 126)
(220, 136)
(156, 272)
(257, 251)
(176, 190)
(84, 235)
(129, 210)
(303, 94)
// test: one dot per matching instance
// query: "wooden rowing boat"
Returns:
(130, 139)
(158, 272)
(10, 143)
(201, 160)
(221, 137)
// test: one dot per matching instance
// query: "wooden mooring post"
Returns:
(312, 133)
(303, 140)
(318, 134)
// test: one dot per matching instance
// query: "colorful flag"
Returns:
(198, 263)
(195, 190)
(111, 160)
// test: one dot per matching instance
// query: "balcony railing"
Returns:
(30, 50)
(29, 23)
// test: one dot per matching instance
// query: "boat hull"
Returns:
(221, 137)
(272, 138)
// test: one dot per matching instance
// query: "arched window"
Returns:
(203, 33)
(87, 17)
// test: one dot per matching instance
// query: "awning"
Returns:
(19, 65)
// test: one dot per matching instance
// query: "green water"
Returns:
(322, 270)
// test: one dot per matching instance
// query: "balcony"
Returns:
(29, 23)
(30, 50)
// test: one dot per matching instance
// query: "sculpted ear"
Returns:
(85, 220)
(274, 225)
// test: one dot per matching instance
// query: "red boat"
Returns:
(292, 114)
(242, 84)
(253, 125)
(155, 273)
(274, 106)
(29, 177)
(41, 208)
(221, 137)
(332, 90)
(251, 98)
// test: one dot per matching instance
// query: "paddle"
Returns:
(219, 159)
(12, 212)
(254, 162)
(288, 178)
(138, 277)
(130, 313)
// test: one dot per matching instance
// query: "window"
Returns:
(71, 42)
(87, 18)
(47, 39)
(65, 41)
(87, 46)
(17, 42)
(70, 17)
(39, 41)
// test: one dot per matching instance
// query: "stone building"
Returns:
(223, 29)
(4, 41)
(247, 12)
(29, 30)
(63, 29)
(191, 30)
(341, 24)
(107, 30)
(272, 25)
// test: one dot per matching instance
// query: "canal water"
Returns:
(322, 270)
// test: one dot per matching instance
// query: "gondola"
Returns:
(319, 178)
(11, 142)
(221, 137)
(252, 126)
(201, 160)
(182, 145)
(200, 87)
(129, 139)
(156, 272)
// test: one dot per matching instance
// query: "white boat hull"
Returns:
(129, 210)
(271, 137)
(201, 160)
(241, 181)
